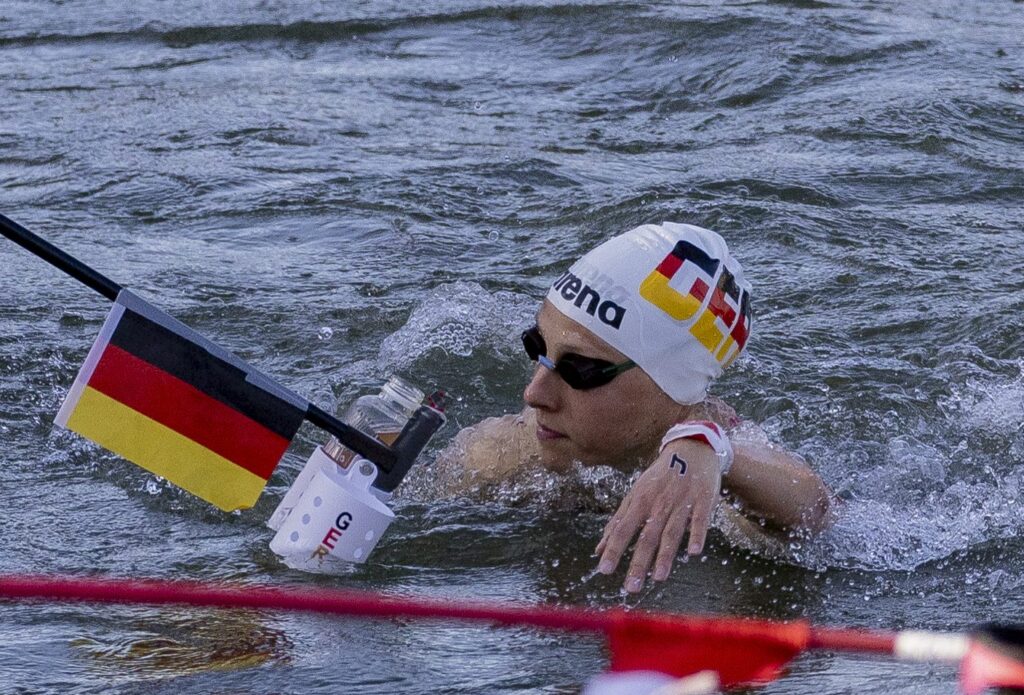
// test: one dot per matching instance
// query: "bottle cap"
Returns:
(403, 394)
(438, 400)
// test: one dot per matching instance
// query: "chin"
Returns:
(557, 454)
(560, 455)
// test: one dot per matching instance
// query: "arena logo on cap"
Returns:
(724, 325)
(575, 290)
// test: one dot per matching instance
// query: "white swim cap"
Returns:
(669, 297)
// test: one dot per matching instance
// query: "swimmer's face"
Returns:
(618, 424)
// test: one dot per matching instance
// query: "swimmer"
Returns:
(627, 343)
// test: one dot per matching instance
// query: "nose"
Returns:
(543, 391)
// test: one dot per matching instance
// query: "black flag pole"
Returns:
(363, 444)
(54, 256)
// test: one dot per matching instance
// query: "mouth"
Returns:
(547, 434)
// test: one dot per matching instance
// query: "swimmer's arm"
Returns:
(778, 487)
(770, 485)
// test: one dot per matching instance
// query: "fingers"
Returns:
(643, 553)
(616, 519)
(671, 539)
(658, 512)
(618, 534)
(699, 523)
(663, 537)
(661, 534)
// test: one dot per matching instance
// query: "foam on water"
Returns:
(459, 319)
(930, 499)
(996, 407)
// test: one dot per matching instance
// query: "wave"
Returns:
(303, 30)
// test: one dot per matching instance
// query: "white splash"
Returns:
(458, 319)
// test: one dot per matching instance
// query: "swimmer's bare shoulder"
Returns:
(494, 448)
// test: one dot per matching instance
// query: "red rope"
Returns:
(362, 604)
(848, 640)
(324, 601)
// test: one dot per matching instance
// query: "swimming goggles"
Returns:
(577, 371)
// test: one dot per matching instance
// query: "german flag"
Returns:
(164, 397)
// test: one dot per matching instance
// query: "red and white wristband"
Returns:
(703, 431)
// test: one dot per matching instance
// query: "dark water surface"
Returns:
(342, 191)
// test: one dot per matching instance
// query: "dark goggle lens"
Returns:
(585, 372)
(534, 344)
(578, 372)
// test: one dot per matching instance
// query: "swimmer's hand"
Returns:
(678, 492)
